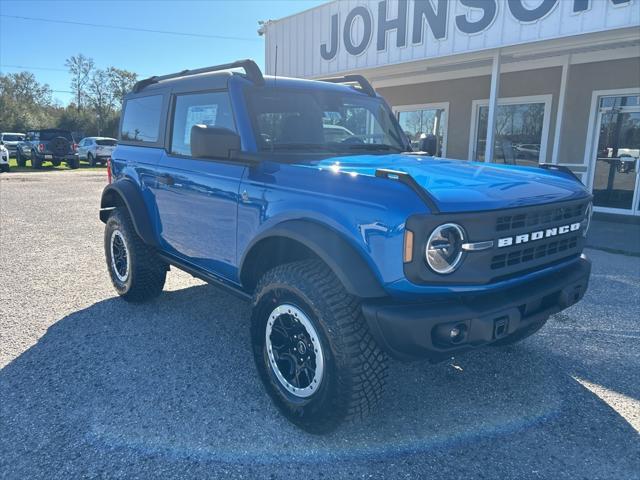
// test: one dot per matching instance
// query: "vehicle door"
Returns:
(197, 199)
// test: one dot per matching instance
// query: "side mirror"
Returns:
(429, 144)
(213, 142)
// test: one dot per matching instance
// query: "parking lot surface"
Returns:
(91, 386)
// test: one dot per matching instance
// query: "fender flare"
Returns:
(128, 193)
(342, 258)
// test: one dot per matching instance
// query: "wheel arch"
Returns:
(126, 194)
(299, 239)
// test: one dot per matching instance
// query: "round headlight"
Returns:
(444, 248)
(586, 222)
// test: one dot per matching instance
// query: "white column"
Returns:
(557, 134)
(493, 106)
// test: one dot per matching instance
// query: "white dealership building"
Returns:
(558, 79)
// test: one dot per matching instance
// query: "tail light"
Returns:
(41, 147)
(109, 178)
(74, 147)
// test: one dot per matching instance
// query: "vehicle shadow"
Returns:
(175, 377)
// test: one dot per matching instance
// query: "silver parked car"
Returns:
(96, 149)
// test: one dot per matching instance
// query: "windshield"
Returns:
(8, 137)
(106, 143)
(316, 120)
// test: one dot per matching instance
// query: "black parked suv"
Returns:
(51, 144)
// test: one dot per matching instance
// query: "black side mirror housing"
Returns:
(429, 144)
(213, 142)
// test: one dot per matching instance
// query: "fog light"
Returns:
(457, 333)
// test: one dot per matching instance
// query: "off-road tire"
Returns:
(35, 161)
(5, 168)
(91, 160)
(354, 366)
(20, 160)
(146, 272)
(73, 164)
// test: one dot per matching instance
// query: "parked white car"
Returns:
(96, 149)
(11, 140)
(4, 158)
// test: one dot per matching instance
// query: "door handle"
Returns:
(166, 179)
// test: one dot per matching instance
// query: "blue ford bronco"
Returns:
(304, 198)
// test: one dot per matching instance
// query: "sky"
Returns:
(41, 47)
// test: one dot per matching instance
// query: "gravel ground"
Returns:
(91, 386)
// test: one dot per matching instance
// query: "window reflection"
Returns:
(429, 124)
(518, 133)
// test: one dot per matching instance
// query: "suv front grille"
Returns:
(528, 254)
(540, 218)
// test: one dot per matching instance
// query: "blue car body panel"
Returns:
(211, 214)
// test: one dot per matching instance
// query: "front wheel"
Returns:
(312, 347)
(136, 271)
(20, 160)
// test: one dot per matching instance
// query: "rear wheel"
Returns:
(91, 160)
(4, 167)
(73, 164)
(36, 162)
(136, 271)
(312, 347)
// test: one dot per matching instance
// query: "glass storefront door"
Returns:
(617, 157)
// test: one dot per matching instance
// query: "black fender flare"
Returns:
(128, 193)
(332, 248)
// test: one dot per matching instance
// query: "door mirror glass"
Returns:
(213, 142)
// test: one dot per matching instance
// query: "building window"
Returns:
(522, 130)
(425, 122)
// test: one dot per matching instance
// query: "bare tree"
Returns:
(100, 96)
(80, 69)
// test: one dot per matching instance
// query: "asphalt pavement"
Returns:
(93, 387)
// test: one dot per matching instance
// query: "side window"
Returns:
(141, 121)
(211, 109)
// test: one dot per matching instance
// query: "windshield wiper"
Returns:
(300, 146)
(374, 147)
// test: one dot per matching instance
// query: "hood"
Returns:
(463, 186)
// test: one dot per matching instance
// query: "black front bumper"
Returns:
(410, 331)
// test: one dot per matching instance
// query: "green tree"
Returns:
(25, 103)
(122, 82)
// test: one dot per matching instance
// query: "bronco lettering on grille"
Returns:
(537, 235)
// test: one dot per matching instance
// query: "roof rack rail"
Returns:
(251, 69)
(365, 86)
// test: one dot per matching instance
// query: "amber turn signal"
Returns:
(408, 246)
